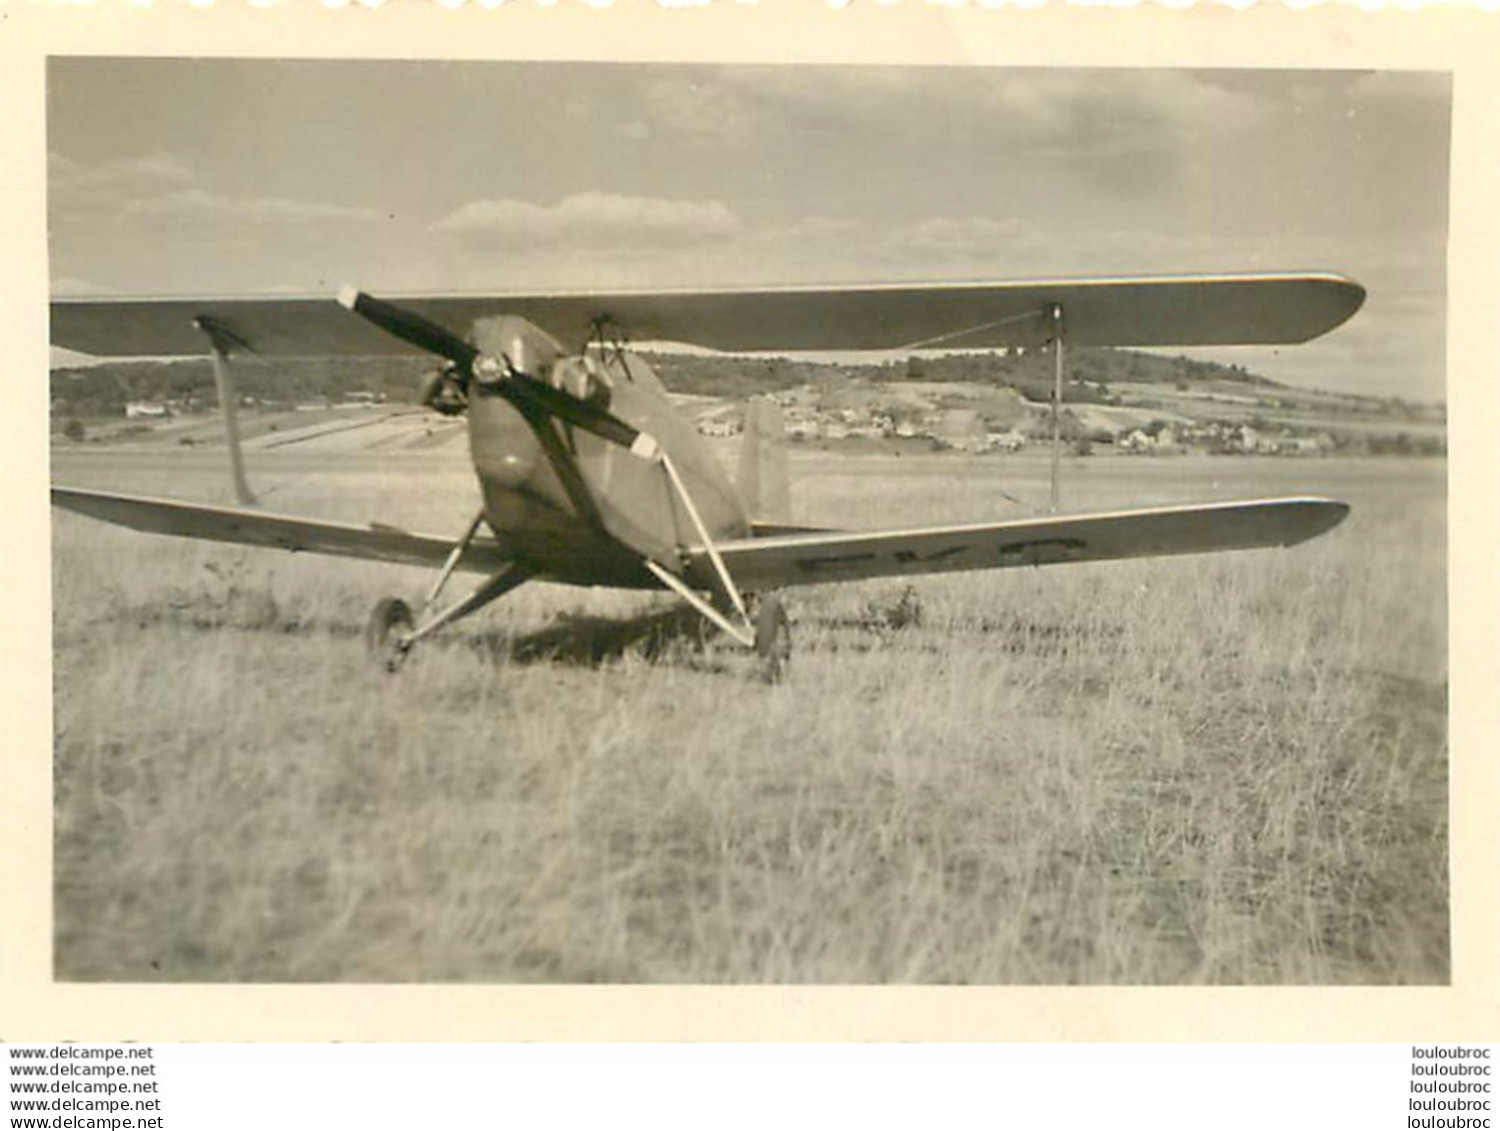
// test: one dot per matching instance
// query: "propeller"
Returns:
(410, 327)
(522, 390)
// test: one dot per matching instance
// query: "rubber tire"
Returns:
(390, 620)
(773, 638)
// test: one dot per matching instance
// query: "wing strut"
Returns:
(452, 561)
(497, 585)
(1055, 313)
(221, 341)
(744, 632)
(730, 590)
(706, 610)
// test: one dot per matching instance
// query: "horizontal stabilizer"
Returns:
(256, 528)
(807, 559)
(1185, 310)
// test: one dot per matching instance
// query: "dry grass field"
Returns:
(1227, 769)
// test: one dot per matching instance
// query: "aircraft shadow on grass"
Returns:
(676, 635)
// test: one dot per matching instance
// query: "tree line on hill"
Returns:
(104, 389)
(1088, 371)
(187, 384)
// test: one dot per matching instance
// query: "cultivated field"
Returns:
(1198, 770)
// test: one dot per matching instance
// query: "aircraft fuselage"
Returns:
(581, 509)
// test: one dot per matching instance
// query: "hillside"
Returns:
(1138, 401)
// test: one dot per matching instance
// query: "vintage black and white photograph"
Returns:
(581, 522)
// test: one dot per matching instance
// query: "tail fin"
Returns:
(762, 477)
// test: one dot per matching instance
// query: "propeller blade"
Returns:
(528, 392)
(520, 389)
(410, 327)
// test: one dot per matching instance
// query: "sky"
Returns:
(238, 177)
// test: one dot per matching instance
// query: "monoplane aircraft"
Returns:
(589, 476)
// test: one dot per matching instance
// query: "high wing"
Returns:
(806, 559)
(256, 528)
(1182, 310)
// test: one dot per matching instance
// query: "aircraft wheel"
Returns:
(773, 638)
(387, 630)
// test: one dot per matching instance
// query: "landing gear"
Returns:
(767, 631)
(392, 631)
(773, 638)
(388, 633)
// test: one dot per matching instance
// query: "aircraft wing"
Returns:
(257, 528)
(1184, 310)
(777, 561)
(807, 559)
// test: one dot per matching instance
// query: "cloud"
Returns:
(152, 224)
(813, 228)
(81, 195)
(198, 211)
(162, 195)
(959, 240)
(706, 113)
(594, 221)
(1093, 115)
(74, 183)
(1011, 247)
(1130, 108)
(1400, 89)
(71, 286)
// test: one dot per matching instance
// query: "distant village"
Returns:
(190, 406)
(970, 430)
(1116, 401)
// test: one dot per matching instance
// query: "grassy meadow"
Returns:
(1227, 769)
